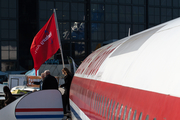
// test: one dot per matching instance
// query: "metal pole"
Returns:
(57, 28)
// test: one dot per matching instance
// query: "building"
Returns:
(83, 24)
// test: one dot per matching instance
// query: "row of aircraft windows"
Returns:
(105, 106)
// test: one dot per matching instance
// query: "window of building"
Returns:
(176, 13)
(111, 13)
(45, 9)
(97, 12)
(8, 8)
(137, 28)
(125, 1)
(62, 10)
(8, 29)
(78, 0)
(97, 31)
(176, 3)
(167, 3)
(78, 49)
(138, 2)
(8, 66)
(154, 15)
(111, 1)
(124, 13)
(77, 11)
(77, 30)
(64, 28)
(111, 31)
(166, 14)
(154, 2)
(8, 50)
(138, 14)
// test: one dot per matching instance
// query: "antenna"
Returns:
(129, 32)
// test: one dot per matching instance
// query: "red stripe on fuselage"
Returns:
(160, 106)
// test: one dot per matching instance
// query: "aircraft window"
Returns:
(94, 100)
(78, 91)
(87, 97)
(147, 117)
(109, 109)
(106, 107)
(99, 108)
(154, 119)
(140, 116)
(124, 116)
(81, 90)
(97, 103)
(129, 114)
(90, 98)
(120, 112)
(86, 94)
(95, 106)
(134, 116)
(112, 110)
(101, 105)
(116, 111)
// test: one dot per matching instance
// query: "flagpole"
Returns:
(57, 28)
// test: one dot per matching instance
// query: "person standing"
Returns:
(40, 82)
(68, 79)
(8, 96)
(49, 81)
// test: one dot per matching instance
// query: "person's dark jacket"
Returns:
(67, 80)
(9, 98)
(49, 82)
(39, 83)
(65, 96)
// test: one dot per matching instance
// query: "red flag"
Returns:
(45, 44)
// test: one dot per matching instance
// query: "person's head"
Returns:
(47, 72)
(65, 71)
(42, 75)
(6, 89)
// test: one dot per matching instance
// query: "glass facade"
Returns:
(71, 22)
(84, 25)
(8, 34)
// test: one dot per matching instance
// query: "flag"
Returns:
(45, 44)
